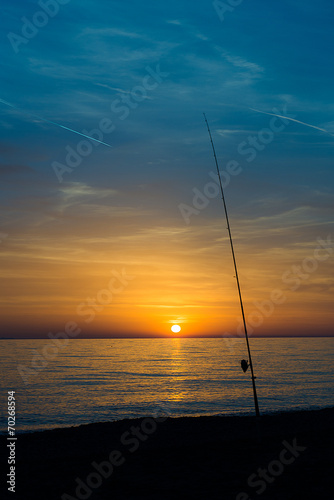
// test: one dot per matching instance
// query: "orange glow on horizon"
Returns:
(144, 283)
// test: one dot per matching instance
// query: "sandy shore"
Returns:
(285, 456)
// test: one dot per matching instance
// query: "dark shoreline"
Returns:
(272, 413)
(180, 458)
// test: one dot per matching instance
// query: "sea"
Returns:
(81, 381)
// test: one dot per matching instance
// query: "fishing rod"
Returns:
(257, 411)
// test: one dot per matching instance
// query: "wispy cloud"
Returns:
(113, 88)
(224, 132)
(174, 21)
(54, 123)
(239, 62)
(79, 190)
(113, 32)
(292, 120)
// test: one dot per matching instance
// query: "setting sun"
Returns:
(176, 328)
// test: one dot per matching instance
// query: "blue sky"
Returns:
(88, 57)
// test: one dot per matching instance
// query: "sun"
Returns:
(176, 328)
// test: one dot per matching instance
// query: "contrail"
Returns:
(54, 123)
(291, 119)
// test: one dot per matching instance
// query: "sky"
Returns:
(122, 233)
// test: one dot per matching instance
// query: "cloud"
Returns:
(293, 120)
(54, 123)
(224, 132)
(114, 32)
(174, 21)
(79, 191)
(329, 126)
(239, 62)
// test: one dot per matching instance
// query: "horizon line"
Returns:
(174, 337)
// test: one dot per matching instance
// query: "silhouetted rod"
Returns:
(257, 411)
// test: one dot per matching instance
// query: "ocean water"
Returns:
(102, 380)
